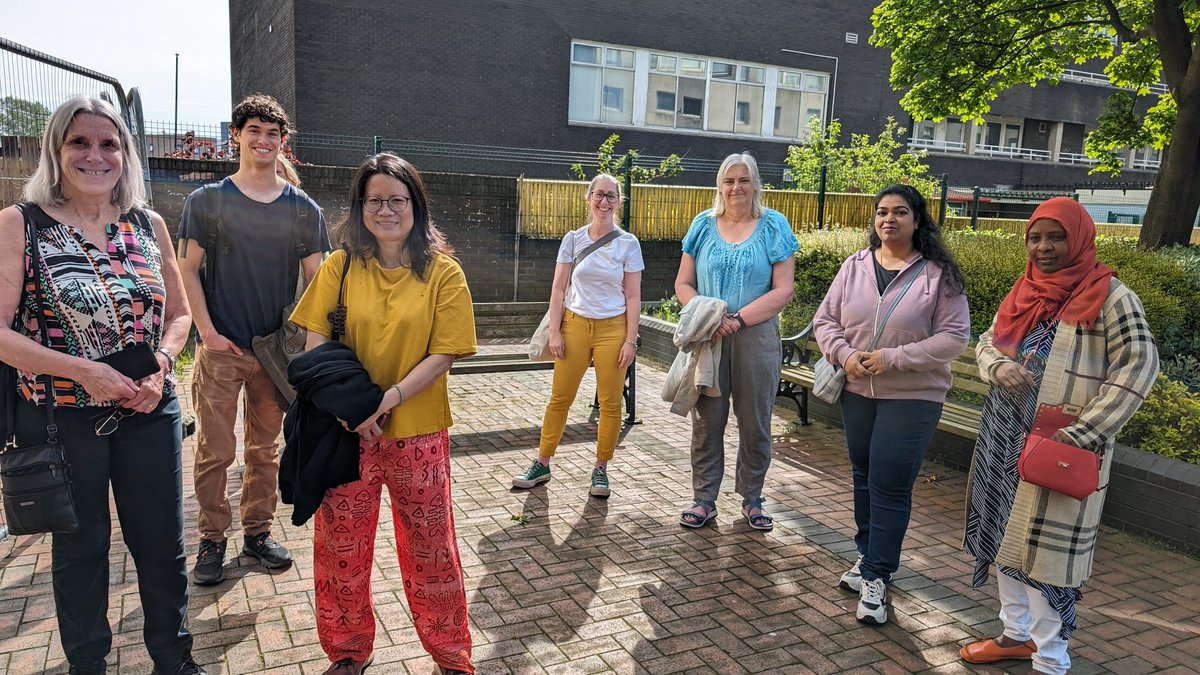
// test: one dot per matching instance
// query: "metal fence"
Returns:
(32, 85)
(549, 208)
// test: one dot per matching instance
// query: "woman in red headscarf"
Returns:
(1068, 332)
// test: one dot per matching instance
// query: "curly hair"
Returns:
(265, 108)
(424, 241)
(927, 237)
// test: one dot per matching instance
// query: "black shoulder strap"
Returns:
(337, 318)
(216, 234)
(300, 221)
(35, 260)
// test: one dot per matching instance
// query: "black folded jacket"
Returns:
(318, 452)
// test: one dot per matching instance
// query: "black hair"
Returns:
(927, 237)
(424, 241)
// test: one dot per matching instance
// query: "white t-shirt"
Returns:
(597, 289)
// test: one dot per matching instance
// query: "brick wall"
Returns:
(431, 73)
(477, 213)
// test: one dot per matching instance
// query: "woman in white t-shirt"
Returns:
(593, 318)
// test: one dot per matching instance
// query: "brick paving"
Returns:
(560, 583)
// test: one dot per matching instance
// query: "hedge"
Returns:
(1167, 281)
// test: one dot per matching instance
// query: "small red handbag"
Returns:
(1047, 463)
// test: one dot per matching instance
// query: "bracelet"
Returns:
(738, 317)
(632, 343)
(400, 392)
(170, 359)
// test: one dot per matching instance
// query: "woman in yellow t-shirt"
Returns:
(408, 318)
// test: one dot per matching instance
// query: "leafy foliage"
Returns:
(20, 117)
(614, 165)
(865, 165)
(1168, 423)
(954, 58)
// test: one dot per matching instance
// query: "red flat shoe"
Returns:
(988, 651)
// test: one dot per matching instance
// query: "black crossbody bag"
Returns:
(35, 479)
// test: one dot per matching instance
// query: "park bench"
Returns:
(519, 319)
(959, 418)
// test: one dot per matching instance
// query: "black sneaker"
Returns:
(269, 552)
(89, 667)
(210, 563)
(188, 667)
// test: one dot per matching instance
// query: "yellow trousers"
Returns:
(585, 341)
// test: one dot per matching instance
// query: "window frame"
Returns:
(690, 114)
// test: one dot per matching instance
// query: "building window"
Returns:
(799, 97)
(945, 136)
(692, 93)
(601, 84)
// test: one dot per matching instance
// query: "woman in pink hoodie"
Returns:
(894, 391)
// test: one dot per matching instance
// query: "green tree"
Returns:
(865, 165)
(954, 57)
(610, 163)
(20, 117)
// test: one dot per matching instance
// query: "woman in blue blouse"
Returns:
(743, 254)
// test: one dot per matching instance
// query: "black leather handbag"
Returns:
(35, 479)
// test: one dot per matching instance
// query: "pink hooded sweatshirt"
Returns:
(930, 328)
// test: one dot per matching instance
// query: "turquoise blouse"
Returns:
(738, 273)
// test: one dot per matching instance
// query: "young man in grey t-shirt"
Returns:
(247, 239)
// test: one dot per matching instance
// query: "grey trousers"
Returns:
(749, 375)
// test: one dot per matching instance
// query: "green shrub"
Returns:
(1184, 369)
(1168, 423)
(668, 309)
(990, 262)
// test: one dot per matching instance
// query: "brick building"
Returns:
(702, 79)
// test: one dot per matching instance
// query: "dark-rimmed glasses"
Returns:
(610, 197)
(396, 204)
(106, 424)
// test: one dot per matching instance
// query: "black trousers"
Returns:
(141, 460)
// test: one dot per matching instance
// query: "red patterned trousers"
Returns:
(416, 471)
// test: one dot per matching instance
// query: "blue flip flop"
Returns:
(694, 520)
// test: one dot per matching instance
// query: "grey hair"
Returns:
(45, 186)
(747, 160)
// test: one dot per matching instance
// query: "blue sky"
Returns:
(135, 41)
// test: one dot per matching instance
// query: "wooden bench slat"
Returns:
(960, 419)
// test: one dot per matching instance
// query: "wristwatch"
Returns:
(170, 359)
(738, 316)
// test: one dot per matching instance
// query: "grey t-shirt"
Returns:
(252, 254)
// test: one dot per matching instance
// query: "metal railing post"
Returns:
(975, 208)
(625, 215)
(821, 197)
(378, 144)
(945, 194)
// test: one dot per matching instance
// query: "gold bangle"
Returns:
(399, 392)
(632, 343)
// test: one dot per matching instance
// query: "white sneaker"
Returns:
(852, 579)
(872, 602)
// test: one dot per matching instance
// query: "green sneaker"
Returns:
(535, 474)
(599, 483)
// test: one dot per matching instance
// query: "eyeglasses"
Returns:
(396, 204)
(610, 197)
(107, 424)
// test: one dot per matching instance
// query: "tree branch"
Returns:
(1125, 33)
(1174, 41)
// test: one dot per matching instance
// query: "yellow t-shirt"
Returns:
(393, 321)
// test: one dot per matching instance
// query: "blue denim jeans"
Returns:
(887, 439)
(141, 459)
